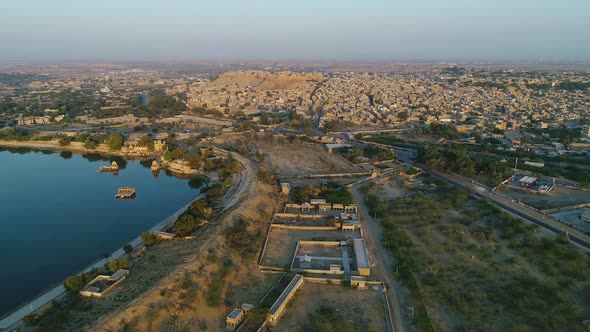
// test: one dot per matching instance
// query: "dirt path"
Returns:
(384, 262)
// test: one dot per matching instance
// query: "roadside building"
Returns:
(279, 306)
(285, 188)
(362, 261)
(234, 319)
(102, 284)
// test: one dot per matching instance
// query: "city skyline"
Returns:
(64, 30)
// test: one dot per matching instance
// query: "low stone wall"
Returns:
(320, 243)
(307, 228)
(265, 243)
(272, 268)
(318, 271)
(297, 215)
(319, 280)
(565, 208)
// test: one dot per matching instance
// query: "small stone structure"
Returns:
(102, 284)
(234, 319)
(125, 192)
(279, 306)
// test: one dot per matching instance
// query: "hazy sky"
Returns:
(57, 30)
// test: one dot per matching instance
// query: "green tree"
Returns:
(200, 209)
(63, 141)
(193, 159)
(128, 248)
(402, 116)
(148, 238)
(115, 142)
(74, 283)
(146, 141)
(184, 225)
(118, 264)
(90, 144)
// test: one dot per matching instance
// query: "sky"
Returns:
(375, 30)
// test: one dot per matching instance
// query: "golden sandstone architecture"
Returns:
(102, 284)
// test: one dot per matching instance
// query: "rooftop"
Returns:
(279, 302)
(361, 254)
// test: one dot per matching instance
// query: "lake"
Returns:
(59, 215)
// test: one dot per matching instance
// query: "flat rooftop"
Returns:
(279, 302)
(235, 313)
(360, 252)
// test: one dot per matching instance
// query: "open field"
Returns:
(303, 221)
(558, 197)
(282, 243)
(469, 266)
(317, 307)
(288, 158)
(321, 256)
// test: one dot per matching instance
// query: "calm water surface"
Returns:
(58, 215)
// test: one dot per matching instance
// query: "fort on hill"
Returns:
(260, 80)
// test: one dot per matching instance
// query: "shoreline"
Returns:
(14, 317)
(49, 145)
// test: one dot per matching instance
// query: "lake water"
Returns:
(58, 215)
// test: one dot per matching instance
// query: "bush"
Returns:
(128, 248)
(115, 142)
(118, 264)
(90, 144)
(149, 238)
(74, 283)
(185, 225)
(63, 141)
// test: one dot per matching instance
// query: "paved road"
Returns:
(383, 261)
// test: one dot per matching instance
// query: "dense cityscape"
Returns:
(322, 166)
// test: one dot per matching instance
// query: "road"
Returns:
(384, 262)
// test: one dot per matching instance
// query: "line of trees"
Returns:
(454, 159)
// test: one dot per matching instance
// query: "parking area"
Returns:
(574, 218)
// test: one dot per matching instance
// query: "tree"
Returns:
(146, 141)
(193, 159)
(148, 238)
(63, 141)
(118, 264)
(200, 209)
(402, 116)
(115, 142)
(128, 248)
(215, 192)
(74, 283)
(90, 144)
(184, 225)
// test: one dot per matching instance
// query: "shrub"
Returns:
(118, 264)
(148, 238)
(63, 141)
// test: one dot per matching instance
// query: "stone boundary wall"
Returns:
(308, 228)
(265, 243)
(297, 215)
(565, 208)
